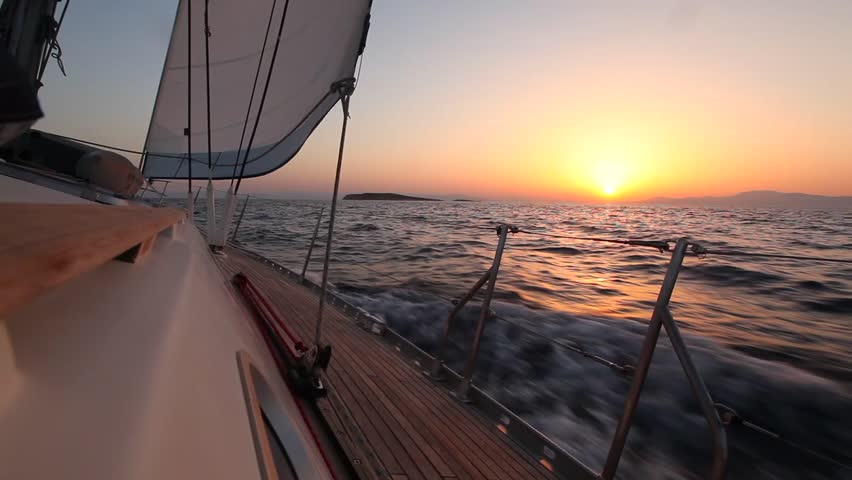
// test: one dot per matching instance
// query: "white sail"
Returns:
(320, 43)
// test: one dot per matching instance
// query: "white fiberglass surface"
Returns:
(129, 372)
(13, 190)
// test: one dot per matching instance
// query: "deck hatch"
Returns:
(274, 461)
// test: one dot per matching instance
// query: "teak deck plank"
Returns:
(428, 461)
(412, 427)
(45, 245)
(349, 436)
(435, 447)
(375, 430)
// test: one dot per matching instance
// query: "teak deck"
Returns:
(392, 421)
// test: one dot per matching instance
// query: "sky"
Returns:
(599, 100)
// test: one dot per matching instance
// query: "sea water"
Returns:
(771, 338)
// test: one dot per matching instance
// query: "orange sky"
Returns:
(565, 100)
(739, 99)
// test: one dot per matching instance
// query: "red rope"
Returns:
(299, 346)
(259, 302)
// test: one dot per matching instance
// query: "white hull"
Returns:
(130, 371)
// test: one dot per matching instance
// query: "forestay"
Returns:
(320, 43)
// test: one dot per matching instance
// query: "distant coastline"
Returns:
(759, 199)
(388, 197)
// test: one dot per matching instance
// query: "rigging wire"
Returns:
(189, 99)
(253, 89)
(344, 88)
(662, 245)
(263, 95)
(387, 275)
(211, 196)
(739, 253)
(207, 35)
(360, 64)
(731, 417)
(696, 248)
(118, 149)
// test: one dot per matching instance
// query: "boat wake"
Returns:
(577, 402)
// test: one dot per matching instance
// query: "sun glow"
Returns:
(606, 163)
(610, 174)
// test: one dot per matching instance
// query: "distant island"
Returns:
(387, 196)
(759, 199)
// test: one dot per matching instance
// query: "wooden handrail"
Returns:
(45, 245)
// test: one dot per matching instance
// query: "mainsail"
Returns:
(320, 43)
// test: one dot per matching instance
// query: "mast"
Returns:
(211, 193)
(190, 202)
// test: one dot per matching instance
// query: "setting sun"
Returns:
(604, 160)
(609, 171)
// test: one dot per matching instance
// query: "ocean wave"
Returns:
(729, 274)
(812, 285)
(561, 250)
(364, 227)
(646, 267)
(815, 245)
(841, 305)
(473, 243)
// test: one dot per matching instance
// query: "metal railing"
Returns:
(660, 318)
(313, 242)
(149, 187)
(551, 455)
(489, 277)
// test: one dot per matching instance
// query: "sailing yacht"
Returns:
(134, 345)
(128, 349)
